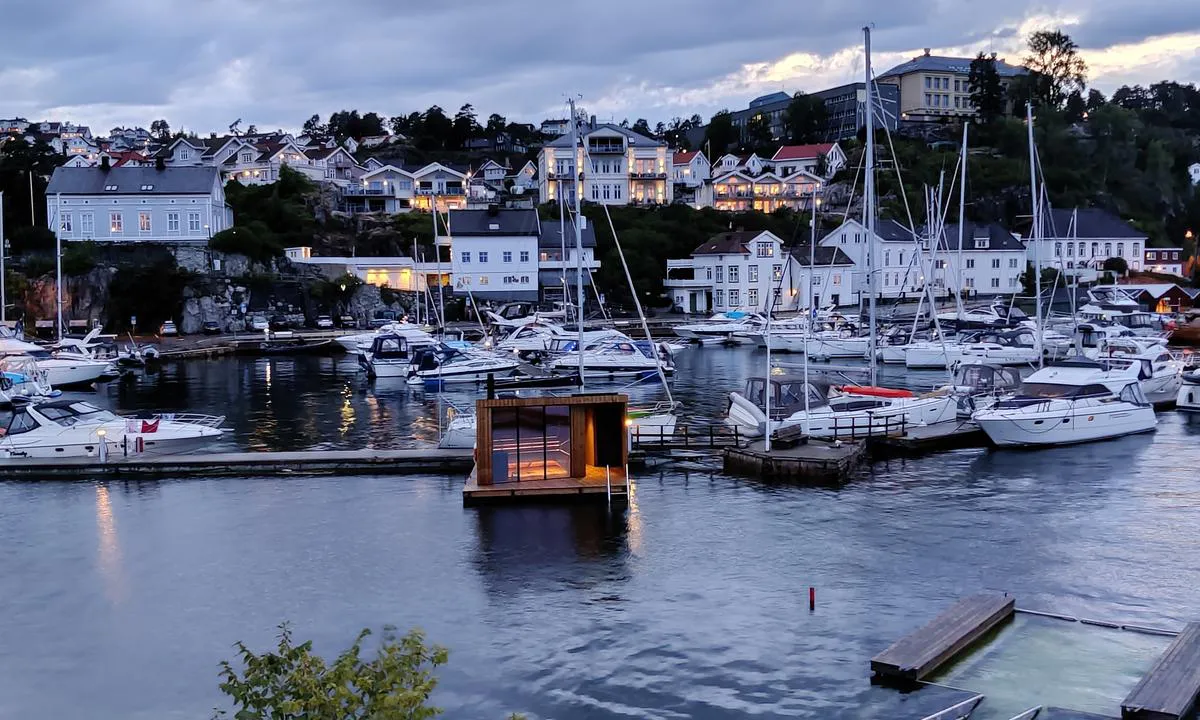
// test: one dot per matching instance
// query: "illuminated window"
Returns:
(116, 223)
(144, 222)
(483, 279)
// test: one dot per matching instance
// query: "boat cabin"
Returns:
(573, 447)
(787, 394)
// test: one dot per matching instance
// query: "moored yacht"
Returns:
(617, 357)
(1188, 397)
(360, 342)
(1078, 400)
(441, 363)
(728, 327)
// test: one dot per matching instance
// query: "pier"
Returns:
(1169, 690)
(921, 652)
(812, 461)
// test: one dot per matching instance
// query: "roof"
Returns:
(728, 243)
(802, 152)
(998, 237)
(1155, 290)
(820, 255)
(635, 139)
(1090, 223)
(683, 158)
(493, 222)
(774, 97)
(130, 180)
(941, 63)
(550, 237)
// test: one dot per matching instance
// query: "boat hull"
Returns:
(1015, 428)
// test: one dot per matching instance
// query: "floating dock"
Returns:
(923, 651)
(812, 461)
(598, 487)
(926, 439)
(1169, 690)
(245, 464)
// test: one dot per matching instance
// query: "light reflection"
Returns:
(347, 414)
(633, 519)
(110, 550)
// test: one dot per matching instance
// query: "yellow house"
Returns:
(933, 86)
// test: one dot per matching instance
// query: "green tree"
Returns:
(721, 134)
(1056, 67)
(1076, 107)
(1095, 100)
(642, 127)
(758, 138)
(806, 118)
(313, 127)
(1116, 265)
(464, 127)
(160, 129)
(987, 94)
(495, 125)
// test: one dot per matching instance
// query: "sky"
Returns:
(201, 64)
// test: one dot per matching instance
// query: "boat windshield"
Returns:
(1047, 391)
(74, 413)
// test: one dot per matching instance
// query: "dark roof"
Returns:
(998, 238)
(550, 237)
(130, 180)
(1090, 223)
(728, 243)
(636, 139)
(940, 63)
(493, 222)
(821, 256)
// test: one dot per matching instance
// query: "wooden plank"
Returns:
(924, 650)
(1169, 690)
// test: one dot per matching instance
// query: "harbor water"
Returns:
(122, 597)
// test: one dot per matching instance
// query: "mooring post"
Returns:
(812, 598)
(608, 484)
(491, 386)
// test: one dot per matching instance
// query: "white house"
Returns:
(790, 159)
(398, 188)
(137, 204)
(1164, 260)
(1078, 242)
(691, 174)
(494, 253)
(620, 167)
(397, 273)
(1194, 173)
(993, 260)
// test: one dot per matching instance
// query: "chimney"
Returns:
(927, 50)
(592, 121)
(160, 164)
(105, 164)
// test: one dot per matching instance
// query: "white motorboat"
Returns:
(460, 428)
(1109, 304)
(441, 363)
(360, 342)
(1010, 347)
(932, 355)
(390, 355)
(1188, 397)
(655, 422)
(62, 428)
(730, 327)
(978, 385)
(60, 372)
(1078, 400)
(614, 358)
(1159, 373)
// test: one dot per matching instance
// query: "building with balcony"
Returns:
(691, 174)
(173, 205)
(402, 188)
(821, 159)
(619, 167)
(740, 191)
(932, 87)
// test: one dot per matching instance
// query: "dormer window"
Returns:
(145, 187)
(247, 157)
(981, 244)
(184, 153)
(110, 188)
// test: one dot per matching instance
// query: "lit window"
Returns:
(116, 223)
(144, 222)
(483, 279)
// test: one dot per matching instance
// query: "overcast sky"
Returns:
(201, 64)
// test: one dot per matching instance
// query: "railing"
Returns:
(360, 190)
(651, 175)
(852, 427)
(607, 148)
(709, 436)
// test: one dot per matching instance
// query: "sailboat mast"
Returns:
(58, 260)
(562, 258)
(577, 172)
(417, 286)
(438, 250)
(869, 203)
(962, 213)
(3, 252)
(1035, 232)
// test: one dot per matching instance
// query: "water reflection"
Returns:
(109, 555)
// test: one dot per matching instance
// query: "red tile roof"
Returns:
(683, 158)
(802, 152)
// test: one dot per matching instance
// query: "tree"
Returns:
(434, 130)
(721, 134)
(987, 94)
(160, 129)
(314, 128)
(1056, 67)
(1116, 265)
(465, 126)
(1076, 107)
(805, 119)
(642, 127)
(758, 138)
(495, 125)
(1095, 100)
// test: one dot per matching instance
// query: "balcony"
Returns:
(361, 190)
(606, 148)
(652, 175)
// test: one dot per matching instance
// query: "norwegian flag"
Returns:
(149, 427)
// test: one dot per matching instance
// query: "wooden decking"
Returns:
(595, 487)
(924, 650)
(813, 462)
(1169, 690)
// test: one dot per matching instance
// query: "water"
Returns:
(122, 597)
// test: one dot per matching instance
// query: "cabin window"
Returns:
(531, 443)
(19, 422)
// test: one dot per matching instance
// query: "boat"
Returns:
(358, 342)
(830, 343)
(1160, 373)
(66, 371)
(1188, 397)
(291, 346)
(978, 385)
(616, 357)
(389, 355)
(1188, 332)
(1109, 304)
(986, 317)
(1010, 347)
(65, 428)
(1077, 400)
(444, 364)
(734, 326)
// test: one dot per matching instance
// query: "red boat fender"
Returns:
(875, 391)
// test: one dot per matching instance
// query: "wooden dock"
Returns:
(597, 486)
(926, 439)
(928, 648)
(1169, 690)
(1055, 713)
(814, 461)
(245, 464)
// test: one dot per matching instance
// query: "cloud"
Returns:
(275, 62)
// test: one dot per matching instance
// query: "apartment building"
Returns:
(932, 87)
(619, 167)
(1164, 260)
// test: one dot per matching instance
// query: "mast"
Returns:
(812, 310)
(962, 204)
(58, 260)
(576, 172)
(562, 257)
(869, 204)
(438, 255)
(1036, 232)
(417, 285)
(3, 252)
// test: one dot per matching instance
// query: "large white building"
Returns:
(749, 270)
(619, 167)
(259, 159)
(137, 204)
(396, 188)
(1077, 242)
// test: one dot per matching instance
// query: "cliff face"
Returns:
(85, 297)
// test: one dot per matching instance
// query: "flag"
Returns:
(149, 427)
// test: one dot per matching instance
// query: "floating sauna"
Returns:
(574, 447)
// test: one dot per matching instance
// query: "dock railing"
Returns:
(698, 436)
(857, 427)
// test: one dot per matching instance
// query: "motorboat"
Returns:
(359, 342)
(1077, 400)
(64, 428)
(460, 428)
(979, 385)
(1108, 304)
(934, 354)
(1011, 347)
(729, 327)
(987, 317)
(845, 411)
(655, 422)
(617, 357)
(1187, 332)
(390, 355)
(529, 338)
(1160, 373)
(444, 364)
(63, 371)
(1188, 397)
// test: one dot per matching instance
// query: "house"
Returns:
(494, 253)
(741, 190)
(1193, 169)
(501, 142)
(1159, 297)
(398, 273)
(137, 204)
(1164, 260)
(933, 87)
(993, 260)
(557, 264)
(374, 141)
(845, 107)
(340, 167)
(620, 167)
(555, 127)
(691, 174)
(350, 144)
(822, 276)
(400, 188)
(1078, 242)
(78, 161)
(9, 126)
(742, 270)
(822, 160)
(524, 178)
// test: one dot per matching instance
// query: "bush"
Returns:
(153, 293)
(31, 239)
(254, 241)
(79, 258)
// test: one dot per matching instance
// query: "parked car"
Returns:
(258, 322)
(348, 321)
(324, 322)
(168, 328)
(212, 327)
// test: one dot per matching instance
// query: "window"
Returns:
(1120, 248)
(483, 279)
(939, 264)
(1070, 249)
(116, 223)
(720, 298)
(1151, 255)
(1136, 249)
(733, 273)
(734, 298)
(837, 278)
(1095, 249)
(524, 256)
(901, 258)
(776, 272)
(928, 83)
(887, 258)
(247, 157)
(970, 263)
(765, 250)
(65, 223)
(720, 273)
(970, 282)
(957, 100)
(595, 192)
(995, 263)
(483, 256)
(708, 270)
(193, 222)
(995, 282)
(616, 192)
(506, 256)
(1012, 263)
(87, 224)
(144, 222)
(1107, 249)
(1057, 249)
(752, 273)
(466, 257)
(1012, 282)
(172, 222)
(752, 297)
(816, 281)
(928, 97)
(184, 153)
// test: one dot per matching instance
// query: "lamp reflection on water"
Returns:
(110, 550)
